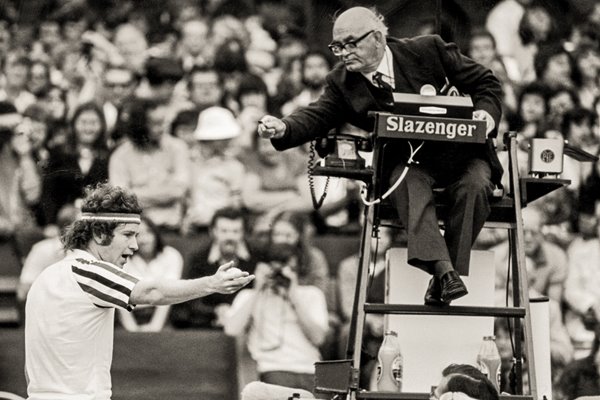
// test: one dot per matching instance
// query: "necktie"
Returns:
(379, 82)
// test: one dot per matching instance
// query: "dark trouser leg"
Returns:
(416, 209)
(468, 211)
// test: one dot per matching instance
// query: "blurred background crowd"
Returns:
(164, 97)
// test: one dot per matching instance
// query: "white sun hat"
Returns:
(216, 123)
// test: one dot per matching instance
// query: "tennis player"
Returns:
(69, 317)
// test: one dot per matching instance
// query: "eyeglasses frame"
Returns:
(333, 46)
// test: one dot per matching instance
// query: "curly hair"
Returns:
(100, 198)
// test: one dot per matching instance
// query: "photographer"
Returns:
(286, 322)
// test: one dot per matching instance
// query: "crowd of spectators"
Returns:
(166, 104)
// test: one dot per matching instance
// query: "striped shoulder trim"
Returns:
(108, 267)
(102, 280)
(105, 297)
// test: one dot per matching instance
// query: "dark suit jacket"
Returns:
(417, 61)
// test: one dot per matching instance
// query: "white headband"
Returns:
(111, 217)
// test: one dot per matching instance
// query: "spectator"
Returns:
(205, 87)
(537, 27)
(558, 208)
(577, 125)
(519, 26)
(162, 76)
(582, 294)
(193, 44)
(587, 61)
(35, 121)
(286, 321)
(314, 67)
(589, 191)
(252, 101)
(546, 262)
(230, 63)
(529, 122)
(119, 84)
(55, 104)
(228, 242)
(20, 180)
(155, 166)
(503, 23)
(274, 182)
(14, 90)
(560, 101)
(82, 161)
(294, 229)
(217, 176)
(252, 92)
(482, 49)
(39, 81)
(555, 67)
(153, 260)
(546, 265)
(581, 376)
(184, 126)
(132, 45)
(45, 252)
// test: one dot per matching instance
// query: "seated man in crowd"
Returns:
(227, 243)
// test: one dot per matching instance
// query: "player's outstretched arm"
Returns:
(227, 279)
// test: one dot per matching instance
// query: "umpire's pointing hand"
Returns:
(270, 127)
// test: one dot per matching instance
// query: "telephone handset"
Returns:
(338, 151)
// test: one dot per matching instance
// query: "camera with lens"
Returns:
(278, 256)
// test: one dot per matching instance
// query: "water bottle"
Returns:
(489, 362)
(389, 368)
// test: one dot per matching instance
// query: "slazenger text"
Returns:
(395, 123)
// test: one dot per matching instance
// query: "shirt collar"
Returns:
(214, 254)
(386, 68)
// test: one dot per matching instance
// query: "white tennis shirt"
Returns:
(69, 323)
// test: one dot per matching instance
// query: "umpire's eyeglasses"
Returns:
(337, 48)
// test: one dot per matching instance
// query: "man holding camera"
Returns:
(286, 322)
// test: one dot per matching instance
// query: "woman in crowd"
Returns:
(82, 161)
(153, 260)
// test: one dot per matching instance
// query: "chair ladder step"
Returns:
(467, 311)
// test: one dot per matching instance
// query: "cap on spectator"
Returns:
(216, 123)
(160, 70)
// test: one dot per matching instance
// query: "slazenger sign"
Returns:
(430, 128)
